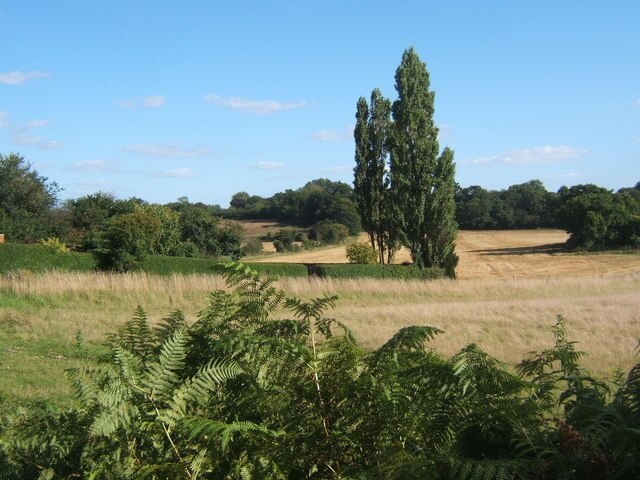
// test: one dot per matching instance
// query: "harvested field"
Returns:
(503, 254)
(257, 228)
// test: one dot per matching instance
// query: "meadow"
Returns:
(510, 289)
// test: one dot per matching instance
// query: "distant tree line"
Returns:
(319, 200)
(596, 218)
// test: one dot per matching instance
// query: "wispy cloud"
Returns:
(4, 119)
(269, 165)
(337, 170)
(172, 150)
(153, 101)
(18, 78)
(537, 155)
(637, 102)
(262, 107)
(334, 135)
(35, 141)
(176, 172)
(92, 166)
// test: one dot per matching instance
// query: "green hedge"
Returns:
(280, 269)
(163, 265)
(373, 270)
(37, 258)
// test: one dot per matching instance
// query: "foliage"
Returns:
(376, 270)
(422, 181)
(263, 385)
(38, 258)
(598, 219)
(328, 232)
(54, 244)
(26, 198)
(283, 240)
(361, 253)
(252, 246)
(371, 180)
(127, 239)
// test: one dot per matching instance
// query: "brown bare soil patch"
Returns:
(502, 254)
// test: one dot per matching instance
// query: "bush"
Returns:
(327, 232)
(283, 240)
(54, 244)
(361, 253)
(375, 270)
(253, 246)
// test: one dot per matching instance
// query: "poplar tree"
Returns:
(371, 182)
(422, 181)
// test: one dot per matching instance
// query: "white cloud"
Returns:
(334, 135)
(18, 78)
(126, 103)
(337, 170)
(4, 119)
(328, 136)
(153, 101)
(269, 165)
(35, 141)
(537, 155)
(262, 107)
(177, 172)
(37, 124)
(89, 166)
(173, 150)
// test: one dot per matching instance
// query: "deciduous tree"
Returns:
(422, 180)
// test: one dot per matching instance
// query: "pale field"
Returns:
(499, 254)
(506, 317)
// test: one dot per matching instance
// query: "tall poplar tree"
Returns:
(422, 181)
(371, 182)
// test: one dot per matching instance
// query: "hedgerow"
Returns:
(375, 270)
(267, 386)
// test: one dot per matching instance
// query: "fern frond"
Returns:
(168, 325)
(162, 376)
(208, 430)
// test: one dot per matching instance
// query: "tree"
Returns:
(371, 182)
(127, 239)
(26, 199)
(422, 182)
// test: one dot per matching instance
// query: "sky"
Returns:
(201, 99)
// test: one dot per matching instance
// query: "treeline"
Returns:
(595, 217)
(317, 201)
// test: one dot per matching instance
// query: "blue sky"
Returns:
(203, 99)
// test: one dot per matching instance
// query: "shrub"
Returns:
(375, 270)
(327, 232)
(54, 244)
(252, 246)
(283, 240)
(362, 253)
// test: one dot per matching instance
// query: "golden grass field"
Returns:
(500, 254)
(511, 288)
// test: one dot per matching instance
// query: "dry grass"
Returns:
(502, 254)
(505, 317)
